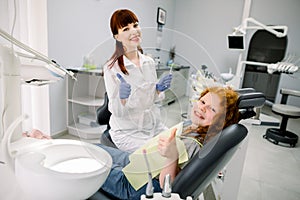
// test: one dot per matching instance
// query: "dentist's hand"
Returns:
(125, 88)
(164, 83)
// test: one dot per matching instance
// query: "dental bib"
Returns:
(61, 169)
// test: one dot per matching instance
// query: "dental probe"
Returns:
(149, 188)
(171, 70)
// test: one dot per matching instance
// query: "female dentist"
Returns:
(132, 86)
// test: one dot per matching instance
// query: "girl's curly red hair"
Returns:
(229, 114)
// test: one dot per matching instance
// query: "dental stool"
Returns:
(281, 134)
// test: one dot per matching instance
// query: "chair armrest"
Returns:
(290, 92)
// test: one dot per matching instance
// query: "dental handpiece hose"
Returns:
(149, 188)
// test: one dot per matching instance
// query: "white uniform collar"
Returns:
(127, 62)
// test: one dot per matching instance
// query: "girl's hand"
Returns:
(167, 146)
(36, 134)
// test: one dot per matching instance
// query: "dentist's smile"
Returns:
(135, 38)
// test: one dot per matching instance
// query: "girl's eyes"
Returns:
(209, 107)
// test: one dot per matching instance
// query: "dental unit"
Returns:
(42, 169)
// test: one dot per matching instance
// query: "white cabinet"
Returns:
(84, 96)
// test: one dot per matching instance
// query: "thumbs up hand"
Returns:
(125, 88)
(167, 146)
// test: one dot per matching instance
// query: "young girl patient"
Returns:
(215, 110)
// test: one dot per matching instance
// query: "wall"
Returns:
(198, 28)
(78, 26)
(209, 21)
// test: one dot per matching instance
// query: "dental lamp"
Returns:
(10, 78)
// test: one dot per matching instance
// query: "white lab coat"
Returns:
(139, 120)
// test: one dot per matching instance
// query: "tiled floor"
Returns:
(271, 172)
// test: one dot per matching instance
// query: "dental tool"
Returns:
(171, 69)
(167, 190)
(149, 188)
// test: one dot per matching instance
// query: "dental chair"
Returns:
(202, 169)
(103, 115)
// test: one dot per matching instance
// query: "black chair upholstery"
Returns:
(248, 100)
(103, 116)
(203, 168)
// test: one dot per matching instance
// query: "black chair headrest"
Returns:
(248, 100)
(251, 100)
(103, 114)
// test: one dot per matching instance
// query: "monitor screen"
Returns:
(236, 42)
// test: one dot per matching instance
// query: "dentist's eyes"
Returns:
(136, 25)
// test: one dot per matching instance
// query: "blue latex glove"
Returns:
(125, 88)
(164, 83)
